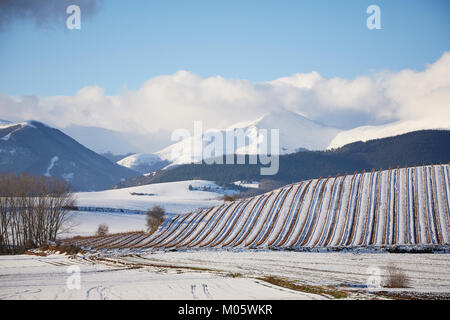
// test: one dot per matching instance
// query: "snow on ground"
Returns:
(7, 137)
(173, 275)
(174, 197)
(365, 133)
(326, 213)
(138, 159)
(427, 272)
(246, 184)
(51, 165)
(34, 277)
(86, 223)
(4, 124)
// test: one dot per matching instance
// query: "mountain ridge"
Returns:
(315, 136)
(34, 147)
(414, 148)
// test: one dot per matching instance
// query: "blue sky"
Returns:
(129, 42)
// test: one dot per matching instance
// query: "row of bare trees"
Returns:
(33, 210)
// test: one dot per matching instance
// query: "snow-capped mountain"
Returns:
(4, 123)
(366, 133)
(144, 162)
(296, 132)
(33, 147)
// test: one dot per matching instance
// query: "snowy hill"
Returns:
(295, 133)
(174, 197)
(123, 209)
(33, 147)
(400, 207)
(366, 133)
(143, 162)
(5, 123)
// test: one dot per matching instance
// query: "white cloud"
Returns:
(421, 94)
(175, 101)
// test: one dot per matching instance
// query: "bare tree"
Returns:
(33, 210)
(155, 217)
(396, 278)
(102, 230)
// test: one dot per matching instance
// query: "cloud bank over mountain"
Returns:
(175, 101)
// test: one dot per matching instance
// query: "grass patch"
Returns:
(396, 278)
(35, 253)
(289, 284)
(235, 275)
(399, 295)
(63, 249)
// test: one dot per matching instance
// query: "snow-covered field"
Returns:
(379, 209)
(214, 275)
(86, 223)
(250, 185)
(174, 197)
(215, 259)
(427, 272)
(34, 277)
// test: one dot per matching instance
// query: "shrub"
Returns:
(155, 217)
(228, 198)
(102, 230)
(395, 278)
(32, 253)
(68, 249)
(44, 246)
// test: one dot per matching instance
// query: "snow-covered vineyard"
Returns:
(408, 206)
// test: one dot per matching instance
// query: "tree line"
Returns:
(33, 210)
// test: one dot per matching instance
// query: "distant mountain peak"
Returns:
(4, 124)
(272, 118)
(2, 121)
(296, 132)
(33, 147)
